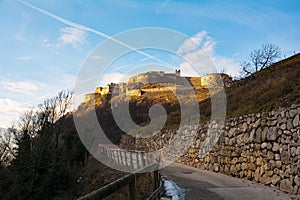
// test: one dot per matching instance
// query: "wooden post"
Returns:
(132, 189)
(156, 179)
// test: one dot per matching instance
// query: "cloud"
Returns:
(10, 110)
(73, 36)
(200, 57)
(20, 86)
(162, 6)
(229, 65)
(114, 77)
(9, 106)
(87, 29)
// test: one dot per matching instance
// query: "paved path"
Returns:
(205, 185)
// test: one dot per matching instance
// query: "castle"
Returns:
(169, 81)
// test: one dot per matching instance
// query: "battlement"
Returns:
(167, 80)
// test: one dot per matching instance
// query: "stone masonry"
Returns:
(263, 147)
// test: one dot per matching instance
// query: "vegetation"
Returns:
(42, 157)
(260, 59)
(270, 88)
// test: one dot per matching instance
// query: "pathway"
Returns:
(205, 185)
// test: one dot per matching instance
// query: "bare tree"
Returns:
(7, 152)
(260, 59)
(56, 107)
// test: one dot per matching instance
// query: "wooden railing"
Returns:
(136, 160)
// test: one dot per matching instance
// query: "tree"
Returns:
(6, 148)
(260, 59)
(38, 168)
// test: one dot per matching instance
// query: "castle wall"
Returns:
(91, 97)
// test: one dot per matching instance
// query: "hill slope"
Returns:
(273, 87)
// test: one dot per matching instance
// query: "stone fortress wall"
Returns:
(263, 147)
(169, 82)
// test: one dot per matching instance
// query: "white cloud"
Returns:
(73, 36)
(200, 56)
(20, 86)
(9, 106)
(10, 110)
(114, 77)
(230, 65)
(192, 44)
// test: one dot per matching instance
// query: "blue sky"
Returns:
(40, 55)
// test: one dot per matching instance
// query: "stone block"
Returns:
(276, 147)
(265, 179)
(296, 121)
(275, 179)
(272, 134)
(285, 157)
(286, 186)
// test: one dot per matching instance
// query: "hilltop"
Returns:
(274, 87)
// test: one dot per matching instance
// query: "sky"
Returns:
(44, 44)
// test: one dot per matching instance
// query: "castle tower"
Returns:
(177, 72)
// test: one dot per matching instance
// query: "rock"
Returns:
(296, 121)
(252, 135)
(292, 113)
(289, 125)
(244, 127)
(257, 137)
(269, 146)
(259, 161)
(270, 155)
(273, 123)
(263, 145)
(256, 174)
(294, 170)
(275, 179)
(286, 186)
(298, 151)
(285, 157)
(257, 123)
(275, 147)
(249, 120)
(265, 179)
(282, 113)
(272, 134)
(285, 147)
(295, 191)
(231, 132)
(239, 140)
(283, 126)
(293, 151)
(297, 180)
(264, 134)
(278, 163)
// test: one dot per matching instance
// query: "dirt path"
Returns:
(205, 185)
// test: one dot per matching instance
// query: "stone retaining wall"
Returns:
(264, 147)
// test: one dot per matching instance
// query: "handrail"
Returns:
(156, 193)
(129, 180)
